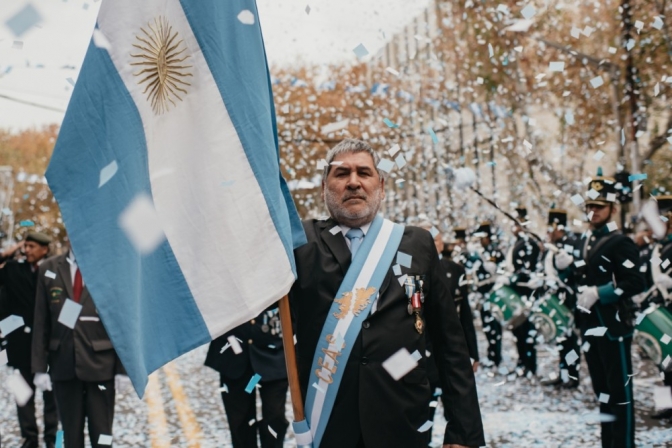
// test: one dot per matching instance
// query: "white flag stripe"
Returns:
(192, 193)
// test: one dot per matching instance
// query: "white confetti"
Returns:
(596, 331)
(235, 345)
(596, 82)
(141, 224)
(246, 17)
(598, 155)
(604, 398)
(19, 388)
(333, 127)
(658, 24)
(612, 226)
(10, 323)
(571, 357)
(399, 364)
(425, 426)
(628, 264)
(69, 313)
(557, 66)
(100, 41)
(577, 199)
(665, 339)
(49, 274)
(528, 12)
(393, 150)
(104, 439)
(107, 173)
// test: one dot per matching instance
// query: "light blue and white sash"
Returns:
(351, 307)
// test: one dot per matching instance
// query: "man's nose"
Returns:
(354, 181)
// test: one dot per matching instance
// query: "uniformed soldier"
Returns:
(19, 279)
(254, 347)
(560, 280)
(522, 261)
(481, 267)
(606, 284)
(661, 282)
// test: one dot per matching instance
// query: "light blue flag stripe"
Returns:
(102, 124)
(239, 69)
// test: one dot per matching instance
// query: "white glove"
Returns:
(42, 381)
(588, 297)
(502, 280)
(122, 383)
(490, 267)
(664, 281)
(563, 260)
(535, 282)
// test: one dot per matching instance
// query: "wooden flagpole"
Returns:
(290, 359)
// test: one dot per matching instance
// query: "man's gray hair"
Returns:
(350, 145)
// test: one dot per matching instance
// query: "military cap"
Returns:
(601, 190)
(664, 204)
(483, 230)
(460, 233)
(522, 213)
(557, 217)
(39, 238)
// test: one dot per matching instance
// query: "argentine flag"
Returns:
(167, 174)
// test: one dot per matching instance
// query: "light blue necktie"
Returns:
(355, 236)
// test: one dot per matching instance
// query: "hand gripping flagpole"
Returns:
(463, 178)
(302, 432)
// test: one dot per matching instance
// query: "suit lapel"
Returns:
(64, 274)
(336, 244)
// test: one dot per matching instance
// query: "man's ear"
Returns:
(382, 187)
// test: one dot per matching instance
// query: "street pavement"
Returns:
(182, 408)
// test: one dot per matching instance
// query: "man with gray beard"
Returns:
(368, 297)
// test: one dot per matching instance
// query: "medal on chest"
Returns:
(416, 298)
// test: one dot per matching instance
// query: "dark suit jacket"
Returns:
(18, 298)
(385, 412)
(263, 351)
(86, 352)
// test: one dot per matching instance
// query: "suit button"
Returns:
(249, 341)
(252, 321)
(366, 324)
(588, 247)
(365, 360)
(592, 238)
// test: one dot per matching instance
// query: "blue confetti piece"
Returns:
(639, 176)
(360, 51)
(26, 223)
(228, 183)
(390, 123)
(435, 139)
(491, 164)
(385, 165)
(404, 259)
(59, 439)
(23, 20)
(253, 382)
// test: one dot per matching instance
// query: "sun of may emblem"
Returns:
(161, 57)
